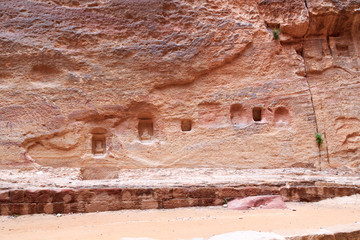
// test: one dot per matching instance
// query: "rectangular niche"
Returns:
(237, 115)
(98, 144)
(186, 125)
(257, 112)
(342, 50)
(146, 128)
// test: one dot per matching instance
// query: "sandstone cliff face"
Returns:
(166, 83)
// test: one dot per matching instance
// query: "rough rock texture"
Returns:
(61, 191)
(155, 83)
(54, 201)
(267, 202)
(189, 177)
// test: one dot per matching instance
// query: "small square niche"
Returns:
(257, 112)
(98, 144)
(146, 129)
(186, 125)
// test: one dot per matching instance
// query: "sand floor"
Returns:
(184, 223)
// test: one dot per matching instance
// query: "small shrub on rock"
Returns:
(276, 33)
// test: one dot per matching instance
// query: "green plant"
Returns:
(225, 201)
(276, 33)
(319, 139)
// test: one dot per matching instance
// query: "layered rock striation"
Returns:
(167, 83)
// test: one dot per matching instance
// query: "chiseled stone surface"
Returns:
(32, 193)
(153, 83)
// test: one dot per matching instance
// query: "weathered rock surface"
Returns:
(265, 201)
(61, 190)
(154, 83)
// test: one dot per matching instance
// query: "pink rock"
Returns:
(266, 201)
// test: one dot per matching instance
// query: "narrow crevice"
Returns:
(311, 95)
(308, 28)
(313, 106)
(10, 196)
(328, 45)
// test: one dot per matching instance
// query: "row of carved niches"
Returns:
(334, 51)
(241, 116)
(145, 129)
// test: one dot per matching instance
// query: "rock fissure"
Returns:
(313, 108)
(122, 63)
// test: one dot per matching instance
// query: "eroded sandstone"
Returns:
(153, 83)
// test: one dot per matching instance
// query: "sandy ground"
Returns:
(185, 223)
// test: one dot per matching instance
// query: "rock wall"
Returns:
(54, 201)
(167, 83)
